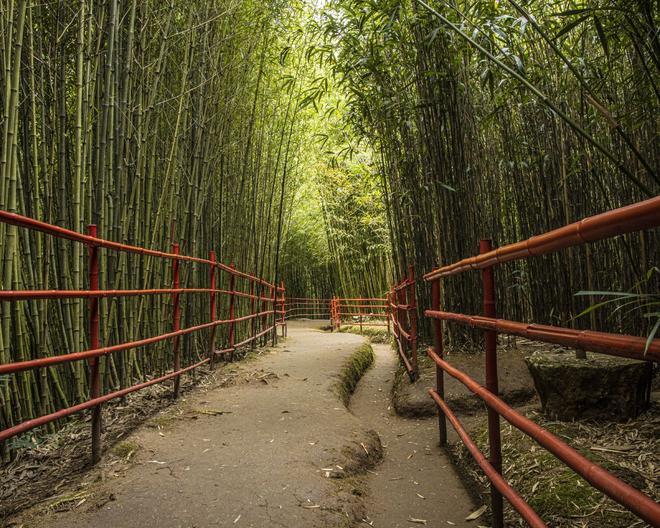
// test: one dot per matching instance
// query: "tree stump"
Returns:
(600, 387)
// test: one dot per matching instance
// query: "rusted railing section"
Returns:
(643, 215)
(264, 313)
(362, 312)
(402, 311)
(307, 308)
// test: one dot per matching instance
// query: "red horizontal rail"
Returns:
(368, 324)
(367, 306)
(402, 285)
(365, 314)
(20, 366)
(401, 310)
(366, 299)
(43, 420)
(616, 489)
(25, 295)
(603, 342)
(60, 232)
(296, 299)
(635, 217)
(519, 504)
(401, 306)
(250, 339)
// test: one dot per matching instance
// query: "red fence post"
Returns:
(232, 297)
(264, 317)
(176, 323)
(387, 312)
(212, 308)
(273, 300)
(412, 319)
(253, 312)
(438, 348)
(94, 363)
(394, 314)
(494, 440)
(283, 306)
(401, 300)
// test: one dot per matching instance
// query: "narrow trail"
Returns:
(415, 480)
(266, 460)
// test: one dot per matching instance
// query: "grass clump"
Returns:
(125, 449)
(375, 334)
(353, 370)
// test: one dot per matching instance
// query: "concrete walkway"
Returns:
(274, 452)
(416, 479)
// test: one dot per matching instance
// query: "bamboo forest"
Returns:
(329, 263)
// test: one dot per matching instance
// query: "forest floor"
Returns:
(278, 450)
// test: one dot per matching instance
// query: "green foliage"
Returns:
(632, 304)
(353, 370)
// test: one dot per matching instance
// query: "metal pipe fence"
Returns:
(639, 216)
(361, 312)
(261, 312)
(402, 312)
(307, 308)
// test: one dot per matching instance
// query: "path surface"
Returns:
(415, 479)
(267, 461)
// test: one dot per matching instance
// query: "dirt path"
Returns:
(276, 451)
(415, 479)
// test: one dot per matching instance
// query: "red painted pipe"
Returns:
(42, 420)
(94, 340)
(602, 342)
(502, 486)
(232, 300)
(634, 500)
(60, 232)
(25, 295)
(635, 217)
(412, 319)
(490, 350)
(212, 307)
(366, 299)
(176, 319)
(439, 350)
(20, 366)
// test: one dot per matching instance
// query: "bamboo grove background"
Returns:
(466, 150)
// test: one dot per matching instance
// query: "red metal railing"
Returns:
(643, 215)
(362, 312)
(307, 308)
(263, 319)
(402, 310)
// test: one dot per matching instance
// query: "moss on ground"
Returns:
(375, 335)
(353, 370)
